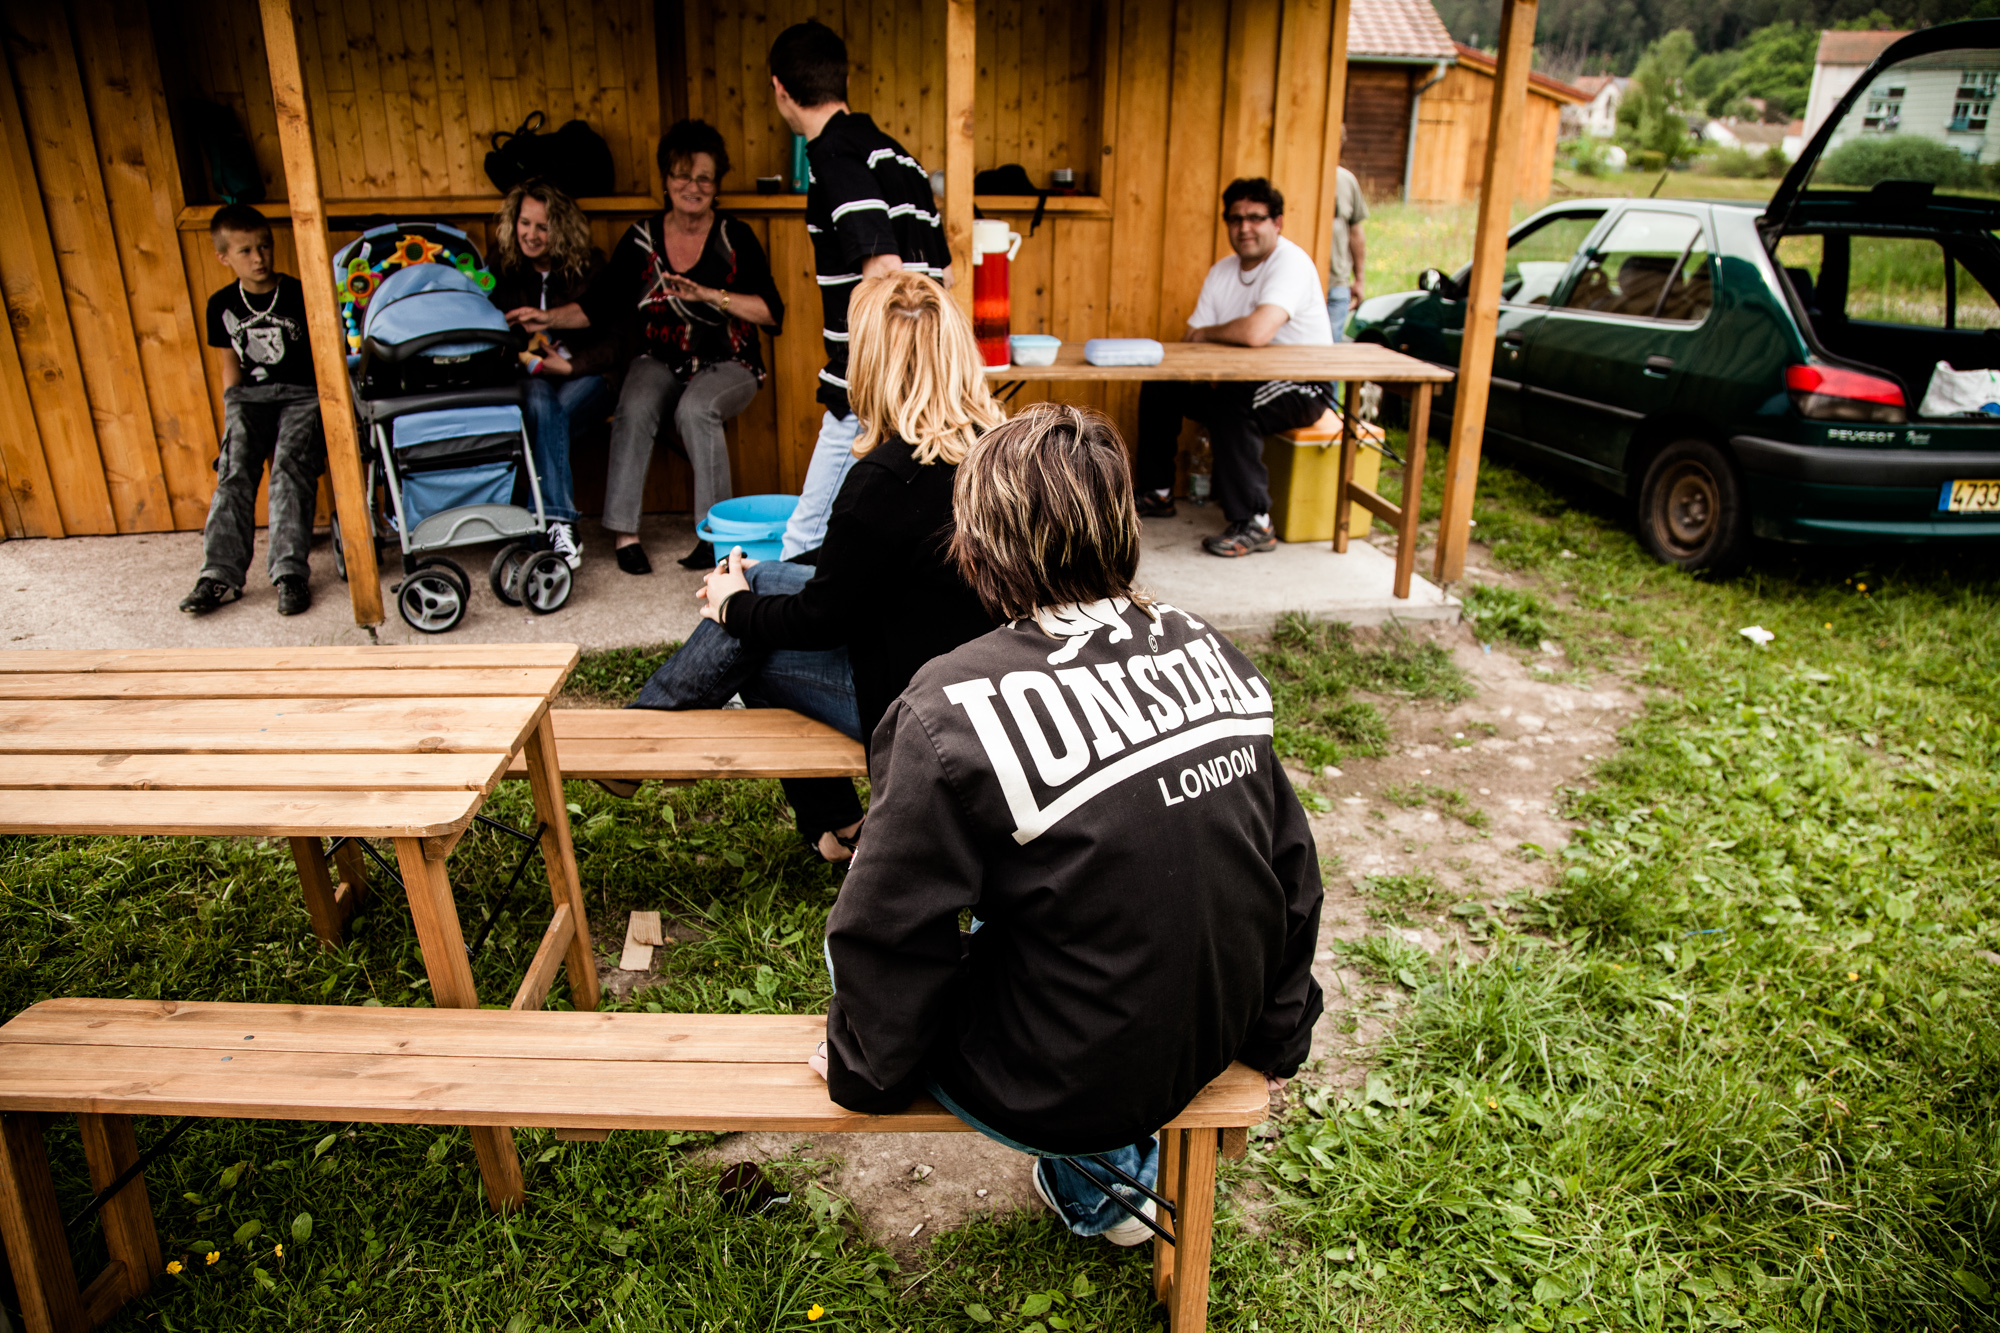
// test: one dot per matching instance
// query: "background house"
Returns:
(1841, 58)
(1752, 136)
(1597, 117)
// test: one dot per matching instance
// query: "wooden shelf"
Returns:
(196, 217)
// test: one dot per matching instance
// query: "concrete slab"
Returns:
(121, 592)
(1247, 595)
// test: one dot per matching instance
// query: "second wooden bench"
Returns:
(107, 1061)
(622, 747)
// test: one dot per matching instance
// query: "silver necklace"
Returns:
(273, 304)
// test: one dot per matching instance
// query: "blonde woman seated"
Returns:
(838, 641)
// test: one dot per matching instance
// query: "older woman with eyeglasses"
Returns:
(699, 286)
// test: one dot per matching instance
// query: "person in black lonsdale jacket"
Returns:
(838, 632)
(1095, 783)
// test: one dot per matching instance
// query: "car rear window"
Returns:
(1652, 264)
(1912, 281)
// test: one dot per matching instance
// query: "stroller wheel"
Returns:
(433, 599)
(544, 582)
(505, 571)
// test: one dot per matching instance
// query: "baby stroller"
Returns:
(437, 391)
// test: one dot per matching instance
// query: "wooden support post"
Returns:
(436, 918)
(352, 863)
(961, 25)
(1413, 487)
(322, 903)
(109, 1146)
(1350, 447)
(1489, 256)
(1187, 1312)
(32, 1229)
(1336, 119)
(559, 859)
(329, 345)
(1169, 1186)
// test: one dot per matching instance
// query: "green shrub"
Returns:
(1648, 159)
(1588, 155)
(1736, 162)
(1901, 157)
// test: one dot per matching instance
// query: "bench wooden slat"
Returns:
(389, 657)
(247, 772)
(335, 684)
(251, 814)
(693, 724)
(714, 757)
(573, 1092)
(269, 726)
(337, 1029)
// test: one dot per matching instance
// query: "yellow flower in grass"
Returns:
(815, 1312)
(214, 1255)
(278, 1250)
(1493, 1102)
(173, 1266)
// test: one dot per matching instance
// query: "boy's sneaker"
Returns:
(207, 595)
(562, 540)
(1130, 1230)
(1238, 539)
(294, 597)
(1153, 505)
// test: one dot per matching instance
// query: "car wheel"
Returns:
(1691, 511)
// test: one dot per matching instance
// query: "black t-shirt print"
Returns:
(268, 332)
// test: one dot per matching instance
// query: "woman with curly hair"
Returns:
(700, 287)
(541, 245)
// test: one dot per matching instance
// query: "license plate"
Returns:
(1970, 497)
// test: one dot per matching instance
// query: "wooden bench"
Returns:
(622, 747)
(106, 1061)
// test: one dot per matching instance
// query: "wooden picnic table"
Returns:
(396, 743)
(1352, 364)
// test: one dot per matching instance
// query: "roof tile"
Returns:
(1397, 28)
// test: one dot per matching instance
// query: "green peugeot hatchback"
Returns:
(1793, 371)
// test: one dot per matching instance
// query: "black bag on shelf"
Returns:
(1012, 179)
(575, 159)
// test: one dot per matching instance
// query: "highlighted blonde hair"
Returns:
(913, 369)
(1044, 513)
(569, 230)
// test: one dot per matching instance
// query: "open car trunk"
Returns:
(1885, 226)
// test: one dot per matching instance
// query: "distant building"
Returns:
(1794, 141)
(1753, 136)
(1841, 59)
(1597, 117)
(1947, 96)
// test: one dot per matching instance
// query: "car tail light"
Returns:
(1831, 393)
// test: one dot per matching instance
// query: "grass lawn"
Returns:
(1734, 1066)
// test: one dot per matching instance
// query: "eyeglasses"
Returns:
(1245, 219)
(699, 182)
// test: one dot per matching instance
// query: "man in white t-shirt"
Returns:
(1266, 294)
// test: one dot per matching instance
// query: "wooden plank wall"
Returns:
(1451, 140)
(109, 406)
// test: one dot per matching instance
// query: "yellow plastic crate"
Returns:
(1305, 470)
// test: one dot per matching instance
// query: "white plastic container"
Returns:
(1123, 352)
(1034, 349)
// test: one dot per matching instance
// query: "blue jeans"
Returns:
(1338, 302)
(832, 456)
(551, 405)
(714, 664)
(1085, 1209)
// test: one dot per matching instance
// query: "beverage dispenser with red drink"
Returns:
(994, 246)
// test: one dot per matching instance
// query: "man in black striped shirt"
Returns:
(870, 211)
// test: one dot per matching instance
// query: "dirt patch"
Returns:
(1462, 811)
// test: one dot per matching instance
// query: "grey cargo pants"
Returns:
(278, 423)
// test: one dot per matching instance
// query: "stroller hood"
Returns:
(423, 299)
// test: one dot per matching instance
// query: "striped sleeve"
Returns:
(858, 212)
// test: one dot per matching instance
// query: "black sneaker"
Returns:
(209, 594)
(294, 597)
(1240, 539)
(1154, 506)
(562, 540)
(632, 559)
(701, 557)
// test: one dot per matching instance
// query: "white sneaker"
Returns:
(562, 540)
(1129, 1232)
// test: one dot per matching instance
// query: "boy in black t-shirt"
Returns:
(869, 211)
(270, 411)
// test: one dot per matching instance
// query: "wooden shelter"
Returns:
(110, 404)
